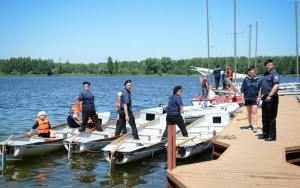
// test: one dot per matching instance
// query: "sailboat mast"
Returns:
(235, 41)
(249, 55)
(256, 46)
(208, 52)
(296, 10)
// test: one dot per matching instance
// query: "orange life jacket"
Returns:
(43, 125)
(78, 107)
(90, 121)
(203, 82)
(229, 74)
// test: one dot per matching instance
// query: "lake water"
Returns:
(21, 98)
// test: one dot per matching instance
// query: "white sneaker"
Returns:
(254, 129)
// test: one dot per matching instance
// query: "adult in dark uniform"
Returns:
(217, 73)
(88, 107)
(174, 111)
(269, 95)
(223, 75)
(125, 113)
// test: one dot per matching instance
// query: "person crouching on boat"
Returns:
(43, 125)
(174, 111)
(73, 117)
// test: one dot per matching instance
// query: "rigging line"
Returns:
(229, 26)
(201, 51)
(287, 47)
(283, 33)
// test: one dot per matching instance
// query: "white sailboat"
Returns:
(207, 72)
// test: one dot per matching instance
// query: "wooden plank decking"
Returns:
(248, 161)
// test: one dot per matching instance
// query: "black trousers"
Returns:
(87, 113)
(122, 124)
(269, 114)
(44, 135)
(175, 120)
(204, 91)
(217, 82)
(223, 84)
(117, 127)
(72, 123)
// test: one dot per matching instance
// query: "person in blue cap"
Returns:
(86, 98)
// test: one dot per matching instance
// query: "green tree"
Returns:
(116, 67)
(110, 66)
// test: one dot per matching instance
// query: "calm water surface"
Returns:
(21, 98)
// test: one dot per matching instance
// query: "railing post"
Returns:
(171, 149)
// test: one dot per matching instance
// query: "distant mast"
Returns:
(249, 55)
(256, 47)
(208, 63)
(235, 41)
(296, 11)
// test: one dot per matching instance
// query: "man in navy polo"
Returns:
(269, 95)
(125, 113)
(86, 98)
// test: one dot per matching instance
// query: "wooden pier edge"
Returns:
(247, 161)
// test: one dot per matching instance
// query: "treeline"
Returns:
(285, 65)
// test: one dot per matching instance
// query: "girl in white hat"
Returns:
(43, 125)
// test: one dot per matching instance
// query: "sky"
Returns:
(90, 31)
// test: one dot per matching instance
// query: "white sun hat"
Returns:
(41, 113)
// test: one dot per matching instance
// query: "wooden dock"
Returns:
(248, 161)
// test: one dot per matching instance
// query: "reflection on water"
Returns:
(22, 97)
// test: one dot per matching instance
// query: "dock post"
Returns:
(171, 149)
(214, 134)
(3, 158)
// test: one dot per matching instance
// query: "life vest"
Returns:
(78, 106)
(90, 121)
(43, 125)
(203, 82)
(229, 74)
